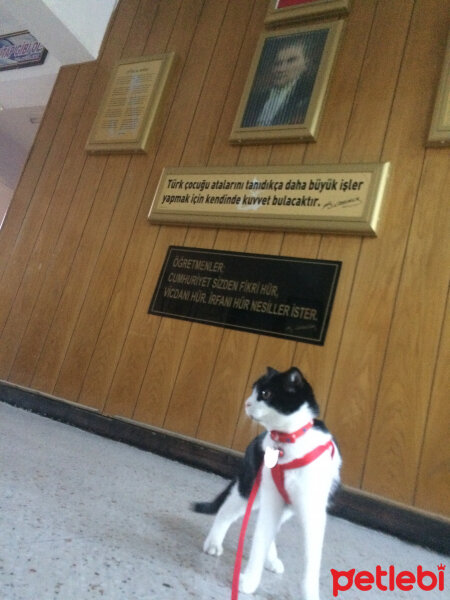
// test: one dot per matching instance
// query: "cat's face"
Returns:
(281, 400)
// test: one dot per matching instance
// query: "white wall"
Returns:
(72, 31)
(86, 19)
(5, 198)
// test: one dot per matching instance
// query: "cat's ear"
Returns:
(294, 379)
(271, 372)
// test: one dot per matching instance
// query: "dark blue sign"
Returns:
(20, 50)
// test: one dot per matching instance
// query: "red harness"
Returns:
(278, 470)
(278, 477)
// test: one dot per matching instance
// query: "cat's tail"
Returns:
(211, 508)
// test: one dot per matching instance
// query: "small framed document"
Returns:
(130, 105)
(439, 134)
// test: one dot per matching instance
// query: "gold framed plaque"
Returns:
(130, 105)
(439, 134)
(289, 11)
(287, 83)
(343, 198)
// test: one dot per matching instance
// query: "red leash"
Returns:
(278, 477)
(240, 549)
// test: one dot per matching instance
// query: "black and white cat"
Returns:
(285, 405)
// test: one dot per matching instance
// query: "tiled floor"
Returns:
(82, 517)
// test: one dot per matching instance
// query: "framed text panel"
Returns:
(130, 105)
(278, 296)
(314, 198)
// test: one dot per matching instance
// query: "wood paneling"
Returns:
(54, 194)
(432, 478)
(378, 270)
(92, 241)
(398, 428)
(79, 260)
(35, 163)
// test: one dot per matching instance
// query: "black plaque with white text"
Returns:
(279, 296)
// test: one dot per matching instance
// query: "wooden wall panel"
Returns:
(68, 279)
(140, 341)
(79, 260)
(52, 200)
(200, 353)
(224, 153)
(227, 388)
(36, 213)
(42, 223)
(227, 27)
(35, 163)
(332, 143)
(213, 97)
(40, 230)
(432, 477)
(359, 356)
(168, 349)
(115, 283)
(204, 43)
(54, 279)
(398, 427)
(168, 408)
(345, 85)
(83, 342)
(112, 187)
(382, 63)
(379, 265)
(84, 205)
(30, 225)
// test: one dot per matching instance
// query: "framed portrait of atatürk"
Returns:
(287, 84)
(291, 11)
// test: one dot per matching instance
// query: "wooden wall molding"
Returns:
(411, 525)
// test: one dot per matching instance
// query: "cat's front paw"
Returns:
(311, 593)
(275, 565)
(248, 584)
(212, 547)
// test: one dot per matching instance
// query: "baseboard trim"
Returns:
(414, 526)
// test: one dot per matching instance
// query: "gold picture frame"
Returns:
(290, 11)
(287, 83)
(130, 104)
(338, 198)
(439, 134)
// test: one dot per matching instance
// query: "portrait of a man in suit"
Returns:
(284, 80)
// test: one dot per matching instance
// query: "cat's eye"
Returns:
(266, 394)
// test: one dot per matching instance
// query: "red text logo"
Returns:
(389, 579)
